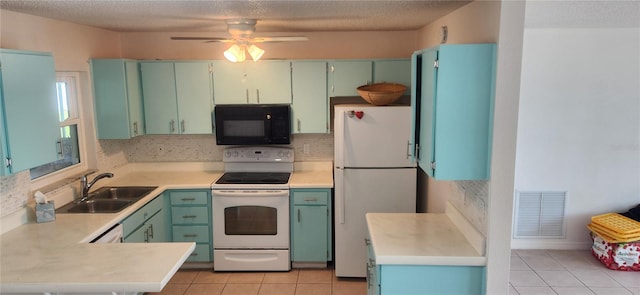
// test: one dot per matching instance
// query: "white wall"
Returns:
(579, 117)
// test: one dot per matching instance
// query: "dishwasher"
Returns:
(113, 235)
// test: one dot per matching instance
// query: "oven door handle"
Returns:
(250, 193)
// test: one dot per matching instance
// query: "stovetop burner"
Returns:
(254, 178)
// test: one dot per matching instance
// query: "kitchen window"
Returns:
(70, 147)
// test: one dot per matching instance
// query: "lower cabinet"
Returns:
(191, 221)
(148, 224)
(424, 279)
(310, 227)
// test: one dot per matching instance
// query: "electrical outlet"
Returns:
(160, 150)
(305, 149)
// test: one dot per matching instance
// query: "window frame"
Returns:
(76, 117)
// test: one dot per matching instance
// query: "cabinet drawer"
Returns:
(189, 198)
(201, 253)
(189, 215)
(196, 233)
(137, 218)
(310, 198)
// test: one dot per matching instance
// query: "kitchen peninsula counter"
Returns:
(424, 239)
(57, 256)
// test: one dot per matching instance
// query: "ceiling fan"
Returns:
(241, 31)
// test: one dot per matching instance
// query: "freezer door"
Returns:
(357, 192)
(373, 136)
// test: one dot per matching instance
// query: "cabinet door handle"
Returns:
(61, 152)
(299, 216)
(172, 126)
(408, 149)
(367, 241)
(247, 93)
(151, 231)
(311, 200)
(135, 128)
(258, 95)
(146, 236)
(188, 199)
(190, 235)
(299, 125)
(182, 126)
(189, 216)
(193, 254)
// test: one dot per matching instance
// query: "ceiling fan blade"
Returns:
(212, 39)
(278, 39)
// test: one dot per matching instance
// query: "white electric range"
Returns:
(251, 210)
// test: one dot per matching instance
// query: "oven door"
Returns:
(250, 219)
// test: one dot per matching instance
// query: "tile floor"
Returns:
(541, 272)
(533, 272)
(294, 282)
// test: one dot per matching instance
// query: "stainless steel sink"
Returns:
(121, 192)
(108, 199)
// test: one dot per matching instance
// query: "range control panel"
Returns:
(258, 154)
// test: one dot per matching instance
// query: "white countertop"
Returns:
(312, 175)
(56, 256)
(420, 239)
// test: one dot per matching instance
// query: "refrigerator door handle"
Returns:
(339, 191)
(339, 138)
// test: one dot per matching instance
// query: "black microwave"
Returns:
(253, 124)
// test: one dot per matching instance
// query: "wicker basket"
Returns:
(381, 93)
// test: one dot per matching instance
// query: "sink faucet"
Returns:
(87, 185)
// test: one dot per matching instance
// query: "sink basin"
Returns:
(121, 192)
(99, 206)
(108, 199)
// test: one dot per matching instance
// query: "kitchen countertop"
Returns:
(57, 257)
(420, 239)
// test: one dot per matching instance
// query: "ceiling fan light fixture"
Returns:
(235, 53)
(255, 52)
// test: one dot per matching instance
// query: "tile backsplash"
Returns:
(471, 197)
(15, 189)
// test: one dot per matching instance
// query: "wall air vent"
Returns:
(539, 214)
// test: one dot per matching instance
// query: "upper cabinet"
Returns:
(454, 110)
(393, 71)
(309, 89)
(118, 98)
(177, 97)
(28, 111)
(264, 82)
(346, 75)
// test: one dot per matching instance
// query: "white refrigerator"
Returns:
(374, 171)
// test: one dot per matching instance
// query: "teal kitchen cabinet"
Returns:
(454, 110)
(393, 71)
(191, 221)
(427, 280)
(28, 110)
(346, 75)
(148, 224)
(310, 226)
(264, 82)
(310, 100)
(423, 279)
(177, 97)
(117, 98)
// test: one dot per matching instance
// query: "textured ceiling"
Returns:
(209, 16)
